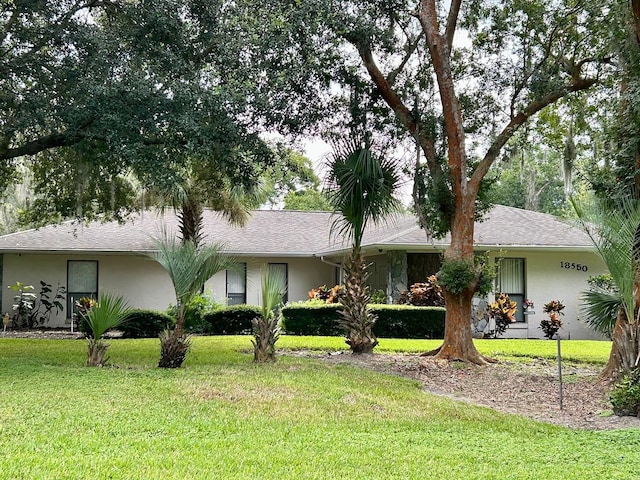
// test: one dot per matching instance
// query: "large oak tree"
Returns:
(458, 79)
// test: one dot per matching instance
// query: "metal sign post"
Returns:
(560, 370)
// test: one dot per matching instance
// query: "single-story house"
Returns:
(541, 258)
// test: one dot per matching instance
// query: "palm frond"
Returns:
(600, 309)
(109, 312)
(274, 287)
(190, 266)
(612, 229)
(360, 186)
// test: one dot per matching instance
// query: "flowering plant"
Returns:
(503, 312)
(551, 325)
(527, 304)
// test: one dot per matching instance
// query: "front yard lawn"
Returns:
(221, 416)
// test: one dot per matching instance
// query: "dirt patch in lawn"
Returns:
(530, 389)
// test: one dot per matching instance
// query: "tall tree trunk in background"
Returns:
(625, 348)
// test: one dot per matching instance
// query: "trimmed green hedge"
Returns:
(394, 321)
(408, 321)
(145, 324)
(233, 320)
(303, 319)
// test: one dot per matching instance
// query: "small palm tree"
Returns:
(204, 186)
(360, 187)
(265, 328)
(109, 312)
(615, 232)
(189, 267)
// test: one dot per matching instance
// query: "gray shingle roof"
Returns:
(292, 233)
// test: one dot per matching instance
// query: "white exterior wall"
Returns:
(303, 275)
(546, 280)
(145, 284)
(142, 281)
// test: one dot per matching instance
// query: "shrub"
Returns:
(232, 320)
(407, 321)
(197, 308)
(625, 395)
(394, 321)
(551, 325)
(378, 297)
(426, 294)
(302, 319)
(326, 294)
(145, 324)
(503, 312)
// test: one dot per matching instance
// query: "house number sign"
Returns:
(574, 266)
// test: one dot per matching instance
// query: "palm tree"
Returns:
(265, 328)
(615, 232)
(360, 186)
(204, 186)
(189, 267)
(109, 312)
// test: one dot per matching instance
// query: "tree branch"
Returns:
(410, 49)
(517, 121)
(452, 21)
(55, 140)
(440, 57)
(635, 8)
(400, 109)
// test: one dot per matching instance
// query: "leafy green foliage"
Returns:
(625, 395)
(108, 313)
(194, 313)
(266, 330)
(145, 324)
(231, 320)
(308, 199)
(378, 297)
(393, 321)
(456, 275)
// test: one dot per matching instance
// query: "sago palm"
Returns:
(615, 232)
(189, 267)
(107, 313)
(360, 186)
(265, 328)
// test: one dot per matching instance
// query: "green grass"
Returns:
(221, 416)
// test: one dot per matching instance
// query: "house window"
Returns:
(82, 281)
(283, 268)
(237, 285)
(510, 280)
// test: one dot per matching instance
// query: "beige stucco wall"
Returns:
(304, 274)
(145, 283)
(138, 278)
(546, 280)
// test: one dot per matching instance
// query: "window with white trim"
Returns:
(511, 280)
(82, 281)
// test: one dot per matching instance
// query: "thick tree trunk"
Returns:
(624, 349)
(458, 341)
